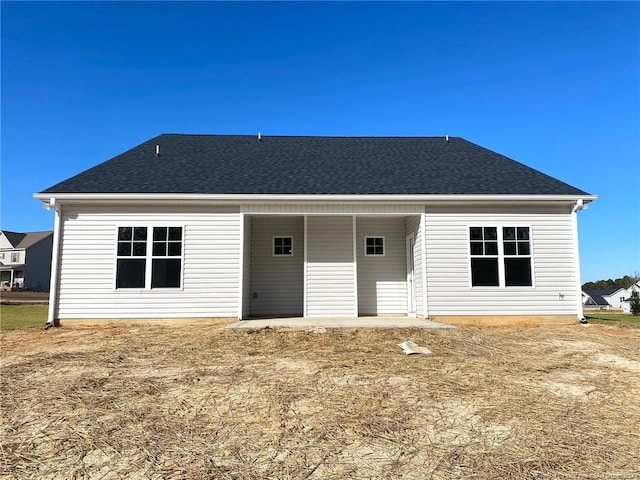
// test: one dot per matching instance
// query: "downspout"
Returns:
(52, 316)
(579, 205)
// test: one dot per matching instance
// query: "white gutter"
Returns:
(52, 314)
(579, 205)
(235, 198)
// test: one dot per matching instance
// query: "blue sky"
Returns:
(553, 85)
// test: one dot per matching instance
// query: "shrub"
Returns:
(635, 303)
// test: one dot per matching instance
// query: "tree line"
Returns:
(623, 282)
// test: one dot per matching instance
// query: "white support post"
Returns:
(423, 246)
(305, 272)
(241, 263)
(355, 268)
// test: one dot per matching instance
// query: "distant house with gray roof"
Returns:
(608, 298)
(242, 226)
(25, 260)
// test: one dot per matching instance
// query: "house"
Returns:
(609, 298)
(600, 298)
(25, 260)
(239, 226)
(634, 291)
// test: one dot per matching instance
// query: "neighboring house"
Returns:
(25, 260)
(596, 298)
(608, 298)
(634, 290)
(238, 226)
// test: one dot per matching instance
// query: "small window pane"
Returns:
(476, 248)
(159, 234)
(484, 272)
(140, 233)
(175, 249)
(165, 273)
(475, 233)
(124, 249)
(124, 233)
(490, 233)
(523, 233)
(517, 272)
(509, 233)
(374, 246)
(175, 233)
(509, 248)
(523, 248)
(282, 246)
(491, 248)
(139, 249)
(159, 249)
(130, 273)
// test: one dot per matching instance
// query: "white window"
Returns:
(15, 257)
(282, 246)
(149, 261)
(374, 246)
(500, 257)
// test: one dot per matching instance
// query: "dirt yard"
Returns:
(206, 402)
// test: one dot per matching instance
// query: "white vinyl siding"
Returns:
(412, 225)
(210, 271)
(331, 289)
(276, 280)
(382, 279)
(448, 265)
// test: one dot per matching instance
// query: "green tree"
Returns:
(635, 303)
(623, 282)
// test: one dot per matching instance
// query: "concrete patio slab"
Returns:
(341, 322)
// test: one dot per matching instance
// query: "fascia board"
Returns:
(260, 198)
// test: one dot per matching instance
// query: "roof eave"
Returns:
(244, 198)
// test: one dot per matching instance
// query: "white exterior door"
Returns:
(411, 287)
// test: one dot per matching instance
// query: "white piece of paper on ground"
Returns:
(410, 348)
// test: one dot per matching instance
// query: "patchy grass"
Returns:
(202, 401)
(613, 318)
(22, 316)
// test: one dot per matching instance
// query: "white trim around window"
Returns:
(495, 242)
(282, 246)
(374, 246)
(158, 245)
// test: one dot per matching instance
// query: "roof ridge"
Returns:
(306, 136)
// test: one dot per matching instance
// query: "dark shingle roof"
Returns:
(32, 238)
(242, 164)
(597, 295)
(25, 240)
(14, 237)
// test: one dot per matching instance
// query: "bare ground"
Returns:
(203, 401)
